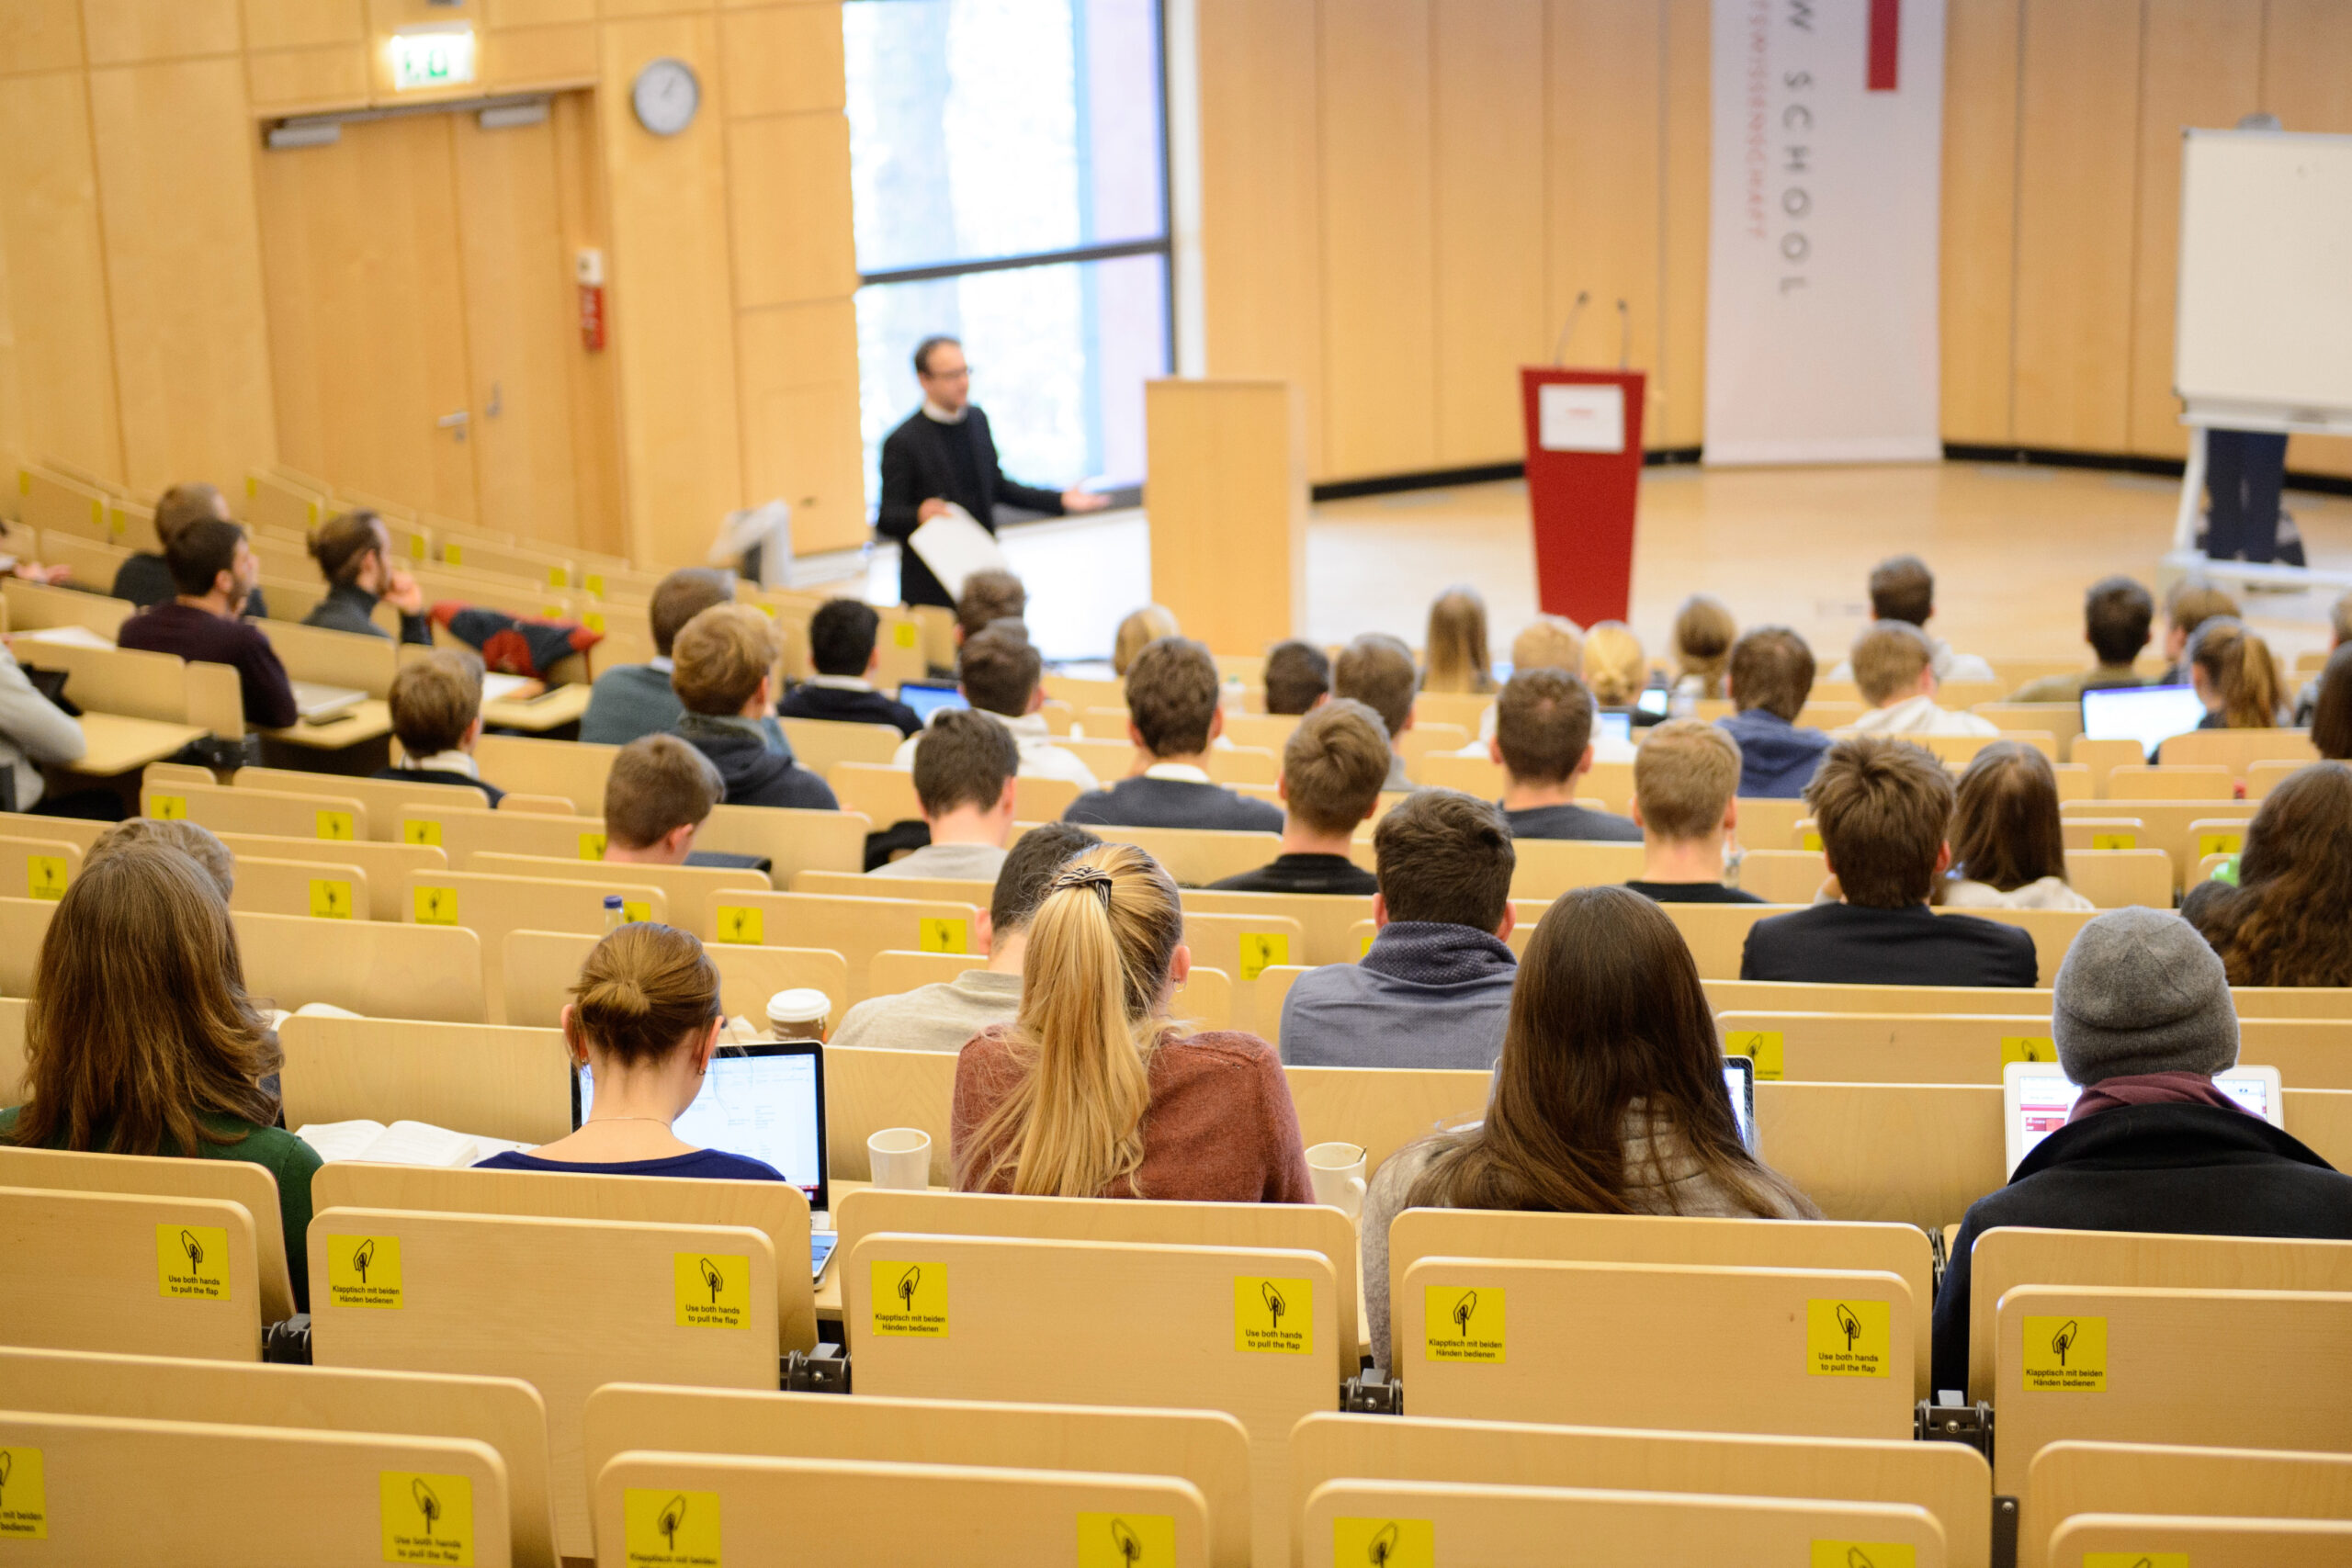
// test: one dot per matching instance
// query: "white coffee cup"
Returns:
(798, 1014)
(1338, 1173)
(901, 1158)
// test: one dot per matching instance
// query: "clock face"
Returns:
(666, 96)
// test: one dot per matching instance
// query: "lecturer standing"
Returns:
(942, 454)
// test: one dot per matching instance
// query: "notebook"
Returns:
(766, 1102)
(324, 704)
(2149, 715)
(2036, 1099)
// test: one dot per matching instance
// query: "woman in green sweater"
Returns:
(141, 1040)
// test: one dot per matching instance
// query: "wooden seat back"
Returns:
(867, 1090)
(1243, 946)
(2070, 1478)
(792, 841)
(856, 928)
(388, 801)
(1383, 1109)
(24, 925)
(494, 907)
(144, 1273)
(333, 815)
(858, 885)
(2208, 1542)
(475, 1077)
(462, 832)
(819, 743)
(377, 968)
(2238, 750)
(1195, 856)
(2172, 826)
(574, 769)
(1805, 996)
(1717, 933)
(1916, 1153)
(1324, 918)
(542, 967)
(1545, 868)
(385, 866)
(313, 889)
(39, 868)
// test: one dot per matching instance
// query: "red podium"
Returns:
(1584, 477)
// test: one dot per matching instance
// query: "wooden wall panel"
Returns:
(1979, 229)
(298, 24)
(801, 442)
(1488, 67)
(1379, 272)
(291, 81)
(788, 187)
(1261, 198)
(123, 32)
(2307, 83)
(175, 147)
(1678, 374)
(60, 356)
(537, 13)
(539, 57)
(784, 59)
(39, 35)
(598, 481)
(2079, 139)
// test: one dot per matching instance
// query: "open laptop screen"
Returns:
(928, 697)
(2149, 715)
(765, 1101)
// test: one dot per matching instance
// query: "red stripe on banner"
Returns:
(1886, 33)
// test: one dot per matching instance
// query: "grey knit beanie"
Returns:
(2141, 992)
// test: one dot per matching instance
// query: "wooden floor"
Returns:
(2012, 547)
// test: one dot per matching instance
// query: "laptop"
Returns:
(927, 697)
(766, 1102)
(324, 704)
(1739, 1081)
(2036, 1099)
(1617, 725)
(2149, 715)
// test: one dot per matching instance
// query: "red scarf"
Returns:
(2149, 1088)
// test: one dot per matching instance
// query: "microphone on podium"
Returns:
(1624, 335)
(1560, 345)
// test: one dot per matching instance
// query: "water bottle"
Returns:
(614, 918)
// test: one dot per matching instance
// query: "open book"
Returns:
(402, 1142)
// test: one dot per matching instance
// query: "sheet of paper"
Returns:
(497, 688)
(340, 1140)
(954, 547)
(68, 637)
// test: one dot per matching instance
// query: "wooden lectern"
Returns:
(1227, 499)
(1584, 481)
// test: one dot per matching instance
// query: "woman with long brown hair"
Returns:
(1091, 1091)
(139, 1038)
(2332, 708)
(2289, 919)
(1456, 646)
(1704, 634)
(1608, 1098)
(2235, 675)
(2008, 849)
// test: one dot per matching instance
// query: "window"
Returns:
(1007, 158)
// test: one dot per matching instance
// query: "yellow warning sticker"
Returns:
(737, 924)
(591, 846)
(453, 554)
(426, 1518)
(2028, 1048)
(1848, 1338)
(594, 584)
(1261, 950)
(904, 633)
(550, 611)
(943, 936)
(1366, 948)
(192, 1262)
(2220, 845)
(45, 877)
(416, 546)
(2115, 840)
(2135, 1560)
(330, 899)
(1125, 1540)
(167, 808)
(636, 910)
(1761, 1046)
(1273, 1316)
(1460, 1324)
(910, 1299)
(364, 1270)
(1862, 1554)
(436, 906)
(661, 1529)
(24, 1503)
(713, 1289)
(594, 621)
(1812, 842)
(419, 831)
(2065, 1355)
(336, 825)
(116, 521)
(1392, 1543)
(557, 579)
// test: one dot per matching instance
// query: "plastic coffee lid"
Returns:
(804, 1005)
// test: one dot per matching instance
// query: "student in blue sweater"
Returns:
(633, 700)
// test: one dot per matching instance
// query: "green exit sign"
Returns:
(441, 57)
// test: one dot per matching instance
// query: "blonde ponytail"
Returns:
(1091, 1014)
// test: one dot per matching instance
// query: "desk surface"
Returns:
(558, 705)
(117, 744)
(371, 720)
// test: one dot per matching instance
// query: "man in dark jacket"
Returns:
(214, 572)
(1173, 717)
(145, 578)
(1771, 675)
(1882, 805)
(723, 660)
(1333, 766)
(2143, 1018)
(1544, 745)
(943, 453)
(840, 645)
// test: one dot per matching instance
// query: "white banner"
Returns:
(1823, 249)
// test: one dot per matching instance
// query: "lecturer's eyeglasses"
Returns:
(963, 374)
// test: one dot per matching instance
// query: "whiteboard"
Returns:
(2264, 325)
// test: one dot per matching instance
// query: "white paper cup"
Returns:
(798, 1014)
(901, 1158)
(1338, 1173)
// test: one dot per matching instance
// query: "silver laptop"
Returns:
(324, 704)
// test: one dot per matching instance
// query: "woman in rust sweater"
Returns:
(1091, 1093)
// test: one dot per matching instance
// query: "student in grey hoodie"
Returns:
(1434, 991)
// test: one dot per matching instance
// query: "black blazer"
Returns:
(919, 464)
(1842, 944)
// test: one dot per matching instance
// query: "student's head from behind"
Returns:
(139, 1024)
(1334, 766)
(1607, 1012)
(998, 671)
(2117, 612)
(183, 504)
(1771, 669)
(1106, 949)
(723, 660)
(208, 557)
(1542, 726)
(1172, 698)
(1028, 873)
(657, 792)
(646, 1006)
(2288, 923)
(680, 597)
(1704, 633)
(2234, 672)
(965, 761)
(2339, 620)
(2332, 712)
(1444, 858)
(352, 549)
(1615, 665)
(175, 833)
(2139, 992)
(1883, 808)
(1298, 676)
(1684, 778)
(2004, 825)
(1893, 662)
(840, 637)
(989, 596)
(1549, 642)
(1138, 631)
(1902, 589)
(1376, 670)
(2189, 604)
(436, 702)
(1457, 643)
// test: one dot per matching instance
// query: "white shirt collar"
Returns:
(662, 662)
(842, 683)
(932, 410)
(1184, 772)
(443, 762)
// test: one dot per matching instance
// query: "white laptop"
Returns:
(2149, 715)
(2036, 1099)
(765, 1101)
